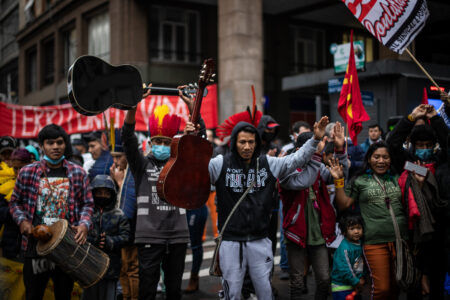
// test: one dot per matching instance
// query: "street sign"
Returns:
(335, 85)
(367, 98)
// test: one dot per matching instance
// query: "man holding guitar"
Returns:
(245, 239)
(161, 228)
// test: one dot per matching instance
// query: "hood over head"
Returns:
(105, 181)
(268, 122)
(248, 127)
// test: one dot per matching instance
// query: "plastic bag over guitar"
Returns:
(94, 86)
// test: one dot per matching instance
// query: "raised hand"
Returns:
(319, 128)
(147, 92)
(322, 144)
(419, 111)
(431, 111)
(336, 169)
(117, 174)
(339, 137)
(188, 100)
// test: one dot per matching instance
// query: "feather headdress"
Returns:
(162, 124)
(253, 117)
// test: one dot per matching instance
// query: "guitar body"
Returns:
(184, 181)
(94, 85)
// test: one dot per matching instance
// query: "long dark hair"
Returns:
(366, 169)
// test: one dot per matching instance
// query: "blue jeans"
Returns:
(284, 264)
(196, 219)
(342, 294)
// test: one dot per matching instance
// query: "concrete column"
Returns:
(129, 32)
(240, 54)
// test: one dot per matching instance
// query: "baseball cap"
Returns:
(272, 125)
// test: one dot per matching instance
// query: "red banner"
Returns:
(26, 121)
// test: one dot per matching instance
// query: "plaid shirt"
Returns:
(25, 196)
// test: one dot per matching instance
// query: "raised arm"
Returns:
(337, 133)
(303, 179)
(398, 136)
(336, 170)
(135, 158)
(283, 166)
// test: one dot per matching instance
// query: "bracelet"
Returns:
(411, 118)
(339, 183)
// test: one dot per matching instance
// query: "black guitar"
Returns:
(94, 86)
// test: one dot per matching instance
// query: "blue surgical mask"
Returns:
(424, 154)
(161, 152)
(52, 161)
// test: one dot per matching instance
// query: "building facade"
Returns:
(9, 25)
(279, 47)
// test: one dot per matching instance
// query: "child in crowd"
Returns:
(348, 265)
(110, 233)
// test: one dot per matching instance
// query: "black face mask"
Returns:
(268, 136)
(101, 201)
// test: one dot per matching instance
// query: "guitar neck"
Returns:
(197, 104)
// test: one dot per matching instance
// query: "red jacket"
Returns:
(294, 221)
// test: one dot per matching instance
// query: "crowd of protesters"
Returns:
(342, 209)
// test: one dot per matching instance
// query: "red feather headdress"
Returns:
(253, 117)
(161, 123)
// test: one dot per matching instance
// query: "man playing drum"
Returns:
(46, 191)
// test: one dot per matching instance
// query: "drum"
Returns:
(84, 263)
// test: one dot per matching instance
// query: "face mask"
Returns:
(424, 154)
(268, 136)
(101, 201)
(161, 152)
(52, 161)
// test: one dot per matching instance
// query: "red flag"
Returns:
(424, 96)
(350, 104)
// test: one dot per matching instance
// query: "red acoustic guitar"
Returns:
(184, 180)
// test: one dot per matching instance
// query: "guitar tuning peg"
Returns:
(202, 77)
(211, 80)
(204, 66)
(196, 85)
(213, 75)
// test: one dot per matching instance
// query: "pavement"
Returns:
(209, 286)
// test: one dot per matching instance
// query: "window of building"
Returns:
(48, 67)
(174, 35)
(308, 47)
(70, 48)
(99, 36)
(31, 67)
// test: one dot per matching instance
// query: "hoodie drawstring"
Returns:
(241, 253)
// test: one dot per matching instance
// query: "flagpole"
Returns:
(422, 68)
(346, 138)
